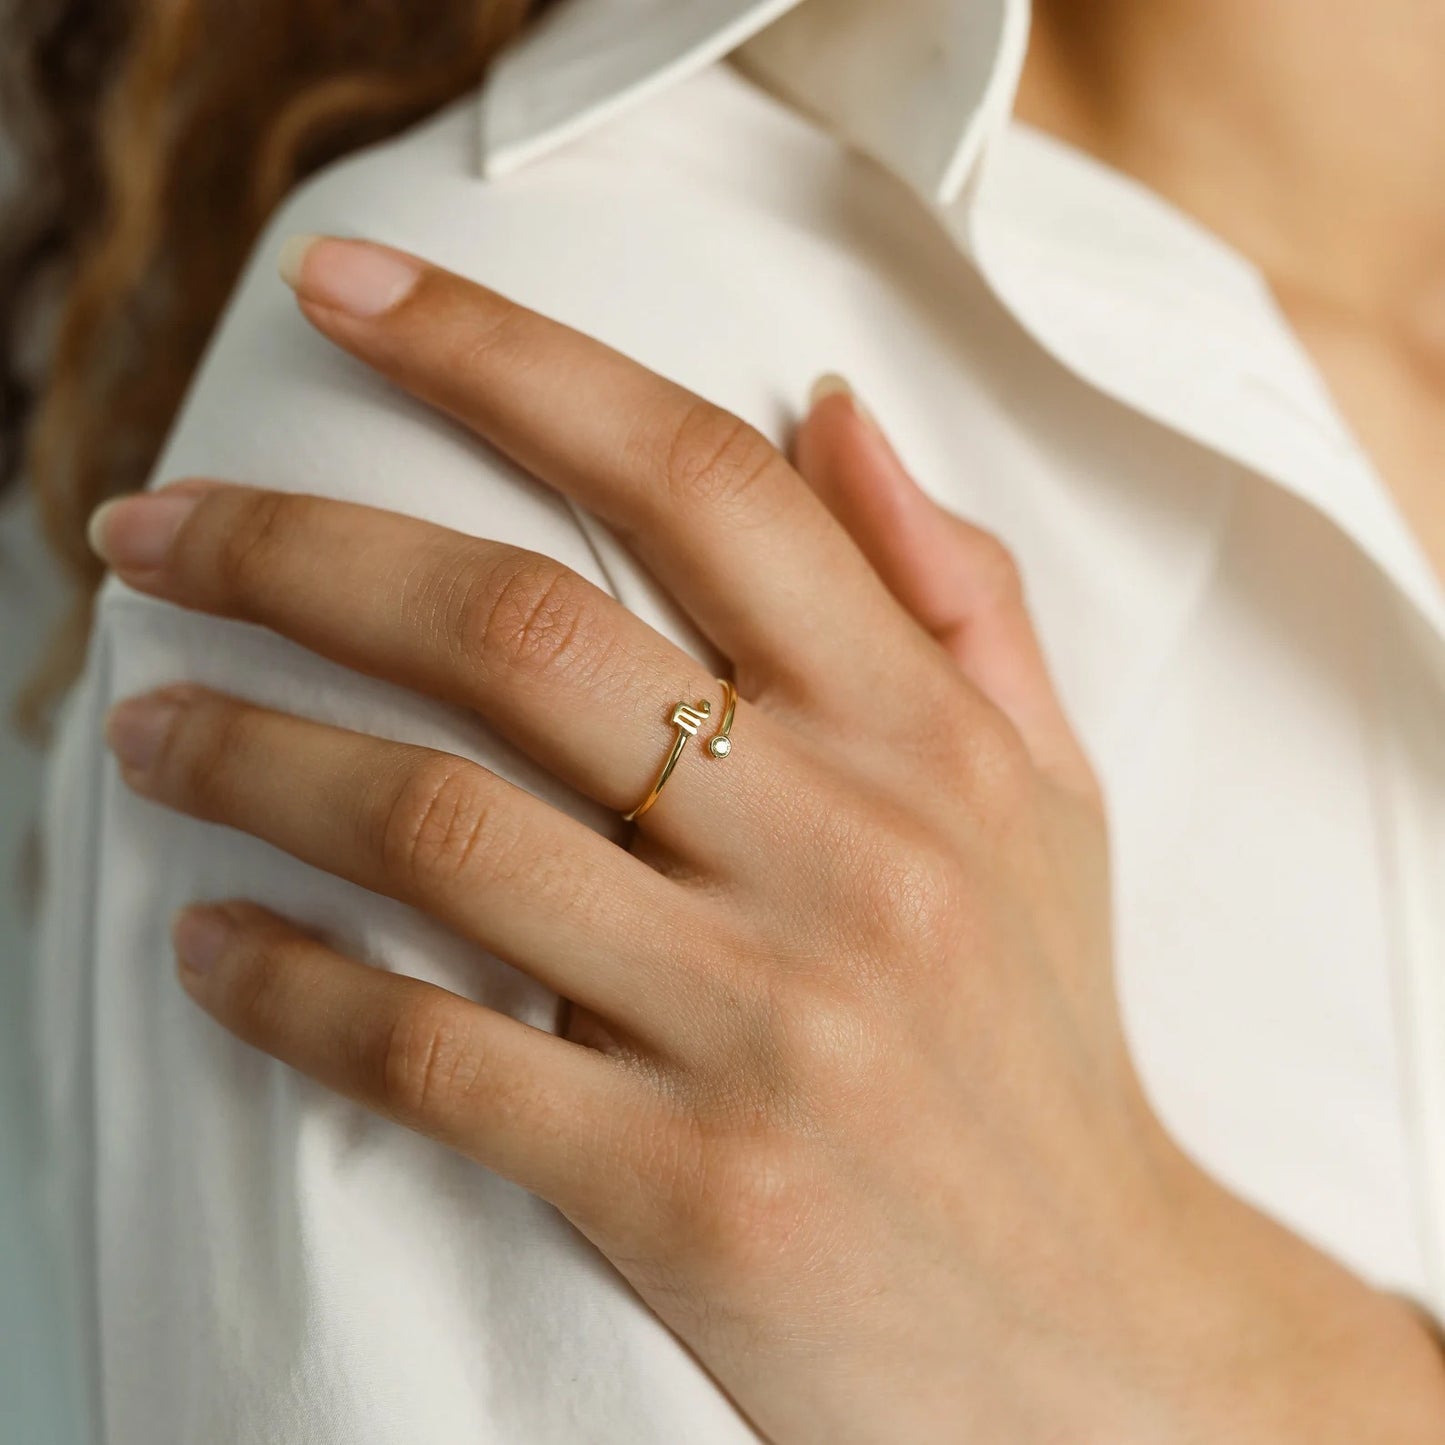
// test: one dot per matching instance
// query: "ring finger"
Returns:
(487, 859)
(556, 665)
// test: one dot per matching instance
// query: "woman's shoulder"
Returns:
(621, 233)
(710, 232)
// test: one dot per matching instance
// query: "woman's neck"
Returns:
(1309, 135)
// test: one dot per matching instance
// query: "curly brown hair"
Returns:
(155, 138)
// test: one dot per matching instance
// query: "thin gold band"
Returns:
(688, 720)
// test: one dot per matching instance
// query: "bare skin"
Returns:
(1312, 138)
(856, 1118)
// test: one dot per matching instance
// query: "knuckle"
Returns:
(936, 724)
(908, 897)
(1086, 784)
(495, 336)
(749, 1208)
(1000, 770)
(254, 994)
(256, 531)
(207, 743)
(428, 1066)
(823, 1040)
(716, 459)
(984, 761)
(809, 1032)
(439, 821)
(995, 571)
(533, 615)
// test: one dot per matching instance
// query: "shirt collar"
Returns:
(1134, 296)
(919, 85)
(1149, 307)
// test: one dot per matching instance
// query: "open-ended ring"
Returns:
(688, 721)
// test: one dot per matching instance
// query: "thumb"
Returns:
(959, 582)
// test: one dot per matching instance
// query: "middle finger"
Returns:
(556, 665)
(705, 500)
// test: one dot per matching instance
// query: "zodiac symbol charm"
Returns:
(690, 719)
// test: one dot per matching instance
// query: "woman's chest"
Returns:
(1264, 977)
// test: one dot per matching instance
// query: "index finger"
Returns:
(703, 499)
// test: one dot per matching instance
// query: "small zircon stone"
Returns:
(720, 747)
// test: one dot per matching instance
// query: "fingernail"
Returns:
(831, 384)
(293, 257)
(136, 728)
(357, 277)
(136, 532)
(200, 936)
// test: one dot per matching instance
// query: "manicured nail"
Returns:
(200, 936)
(135, 533)
(136, 728)
(357, 277)
(831, 384)
(293, 256)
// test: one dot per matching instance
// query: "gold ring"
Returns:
(688, 721)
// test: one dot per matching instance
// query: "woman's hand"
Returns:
(844, 1092)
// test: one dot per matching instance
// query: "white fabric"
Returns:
(1245, 632)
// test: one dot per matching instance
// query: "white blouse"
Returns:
(1247, 635)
